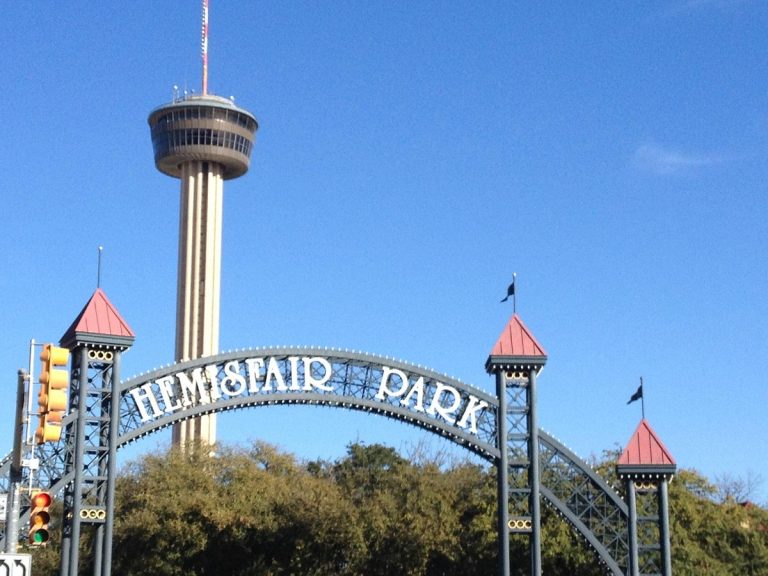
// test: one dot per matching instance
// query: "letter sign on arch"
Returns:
(418, 396)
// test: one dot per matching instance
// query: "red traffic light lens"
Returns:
(41, 500)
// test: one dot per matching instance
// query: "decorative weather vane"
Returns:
(204, 47)
(511, 292)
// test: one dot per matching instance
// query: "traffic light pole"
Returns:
(29, 432)
(13, 511)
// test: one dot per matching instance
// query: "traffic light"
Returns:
(39, 517)
(52, 401)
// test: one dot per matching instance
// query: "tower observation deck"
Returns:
(202, 140)
(202, 128)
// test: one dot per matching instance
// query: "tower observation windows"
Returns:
(165, 140)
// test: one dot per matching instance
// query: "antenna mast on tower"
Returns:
(204, 47)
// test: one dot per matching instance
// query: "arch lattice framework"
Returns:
(412, 394)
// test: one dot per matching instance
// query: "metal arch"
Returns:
(569, 485)
(355, 380)
(584, 530)
(579, 495)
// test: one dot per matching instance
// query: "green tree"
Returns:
(711, 538)
(257, 511)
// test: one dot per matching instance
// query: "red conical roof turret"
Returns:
(516, 346)
(99, 322)
(645, 454)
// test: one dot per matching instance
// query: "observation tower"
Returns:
(201, 140)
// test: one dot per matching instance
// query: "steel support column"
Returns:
(534, 478)
(114, 421)
(634, 562)
(666, 552)
(502, 476)
(72, 503)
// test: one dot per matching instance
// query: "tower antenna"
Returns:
(204, 47)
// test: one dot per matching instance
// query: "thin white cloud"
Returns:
(659, 160)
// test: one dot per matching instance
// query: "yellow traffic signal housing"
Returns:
(52, 401)
(39, 517)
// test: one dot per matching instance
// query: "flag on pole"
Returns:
(637, 395)
(510, 291)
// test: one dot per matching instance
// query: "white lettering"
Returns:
(273, 373)
(233, 383)
(310, 381)
(142, 393)
(436, 406)
(212, 372)
(418, 390)
(205, 385)
(384, 390)
(255, 366)
(470, 412)
(294, 362)
(193, 390)
(166, 391)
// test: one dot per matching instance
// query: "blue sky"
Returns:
(410, 158)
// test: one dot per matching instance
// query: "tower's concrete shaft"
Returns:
(202, 140)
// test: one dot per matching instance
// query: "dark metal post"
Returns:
(98, 549)
(114, 421)
(103, 467)
(502, 475)
(12, 518)
(534, 479)
(66, 548)
(634, 561)
(664, 521)
(14, 506)
(82, 406)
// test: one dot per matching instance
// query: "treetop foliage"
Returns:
(255, 510)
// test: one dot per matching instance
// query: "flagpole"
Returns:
(638, 395)
(514, 295)
(98, 270)
(511, 292)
